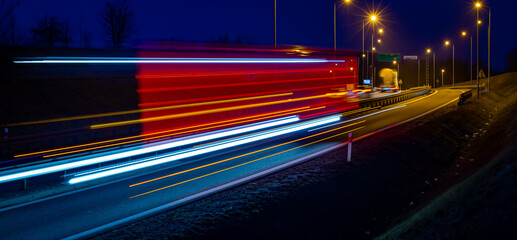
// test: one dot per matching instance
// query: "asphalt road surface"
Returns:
(77, 212)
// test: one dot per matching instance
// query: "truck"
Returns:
(388, 80)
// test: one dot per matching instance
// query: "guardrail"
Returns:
(465, 96)
(392, 99)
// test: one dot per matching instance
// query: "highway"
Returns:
(74, 214)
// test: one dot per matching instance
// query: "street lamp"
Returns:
(464, 34)
(443, 70)
(478, 6)
(373, 19)
(447, 43)
(428, 51)
(347, 2)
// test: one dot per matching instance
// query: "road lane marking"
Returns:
(242, 164)
(243, 155)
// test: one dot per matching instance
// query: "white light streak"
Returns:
(181, 142)
(115, 60)
(253, 138)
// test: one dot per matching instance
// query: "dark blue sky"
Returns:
(411, 25)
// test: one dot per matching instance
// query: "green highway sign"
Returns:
(389, 57)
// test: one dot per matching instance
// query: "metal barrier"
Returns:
(392, 99)
(465, 96)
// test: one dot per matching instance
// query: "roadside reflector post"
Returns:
(24, 184)
(349, 156)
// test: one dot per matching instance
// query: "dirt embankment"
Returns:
(484, 206)
(393, 175)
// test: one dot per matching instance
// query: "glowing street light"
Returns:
(447, 44)
(443, 70)
(478, 6)
(373, 18)
(347, 2)
(379, 41)
(427, 52)
(381, 31)
(464, 34)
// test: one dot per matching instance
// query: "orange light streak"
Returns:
(164, 89)
(278, 113)
(232, 73)
(190, 114)
(247, 154)
(173, 134)
(151, 109)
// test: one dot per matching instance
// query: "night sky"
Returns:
(411, 25)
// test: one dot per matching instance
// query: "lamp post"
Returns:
(275, 23)
(443, 70)
(489, 23)
(447, 43)
(335, 13)
(478, 22)
(398, 73)
(427, 52)
(464, 34)
(434, 67)
(373, 20)
(363, 56)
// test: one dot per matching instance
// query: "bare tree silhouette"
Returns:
(85, 36)
(49, 31)
(118, 21)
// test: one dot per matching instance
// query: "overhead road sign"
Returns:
(389, 57)
(410, 57)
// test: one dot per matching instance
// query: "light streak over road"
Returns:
(208, 149)
(109, 60)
